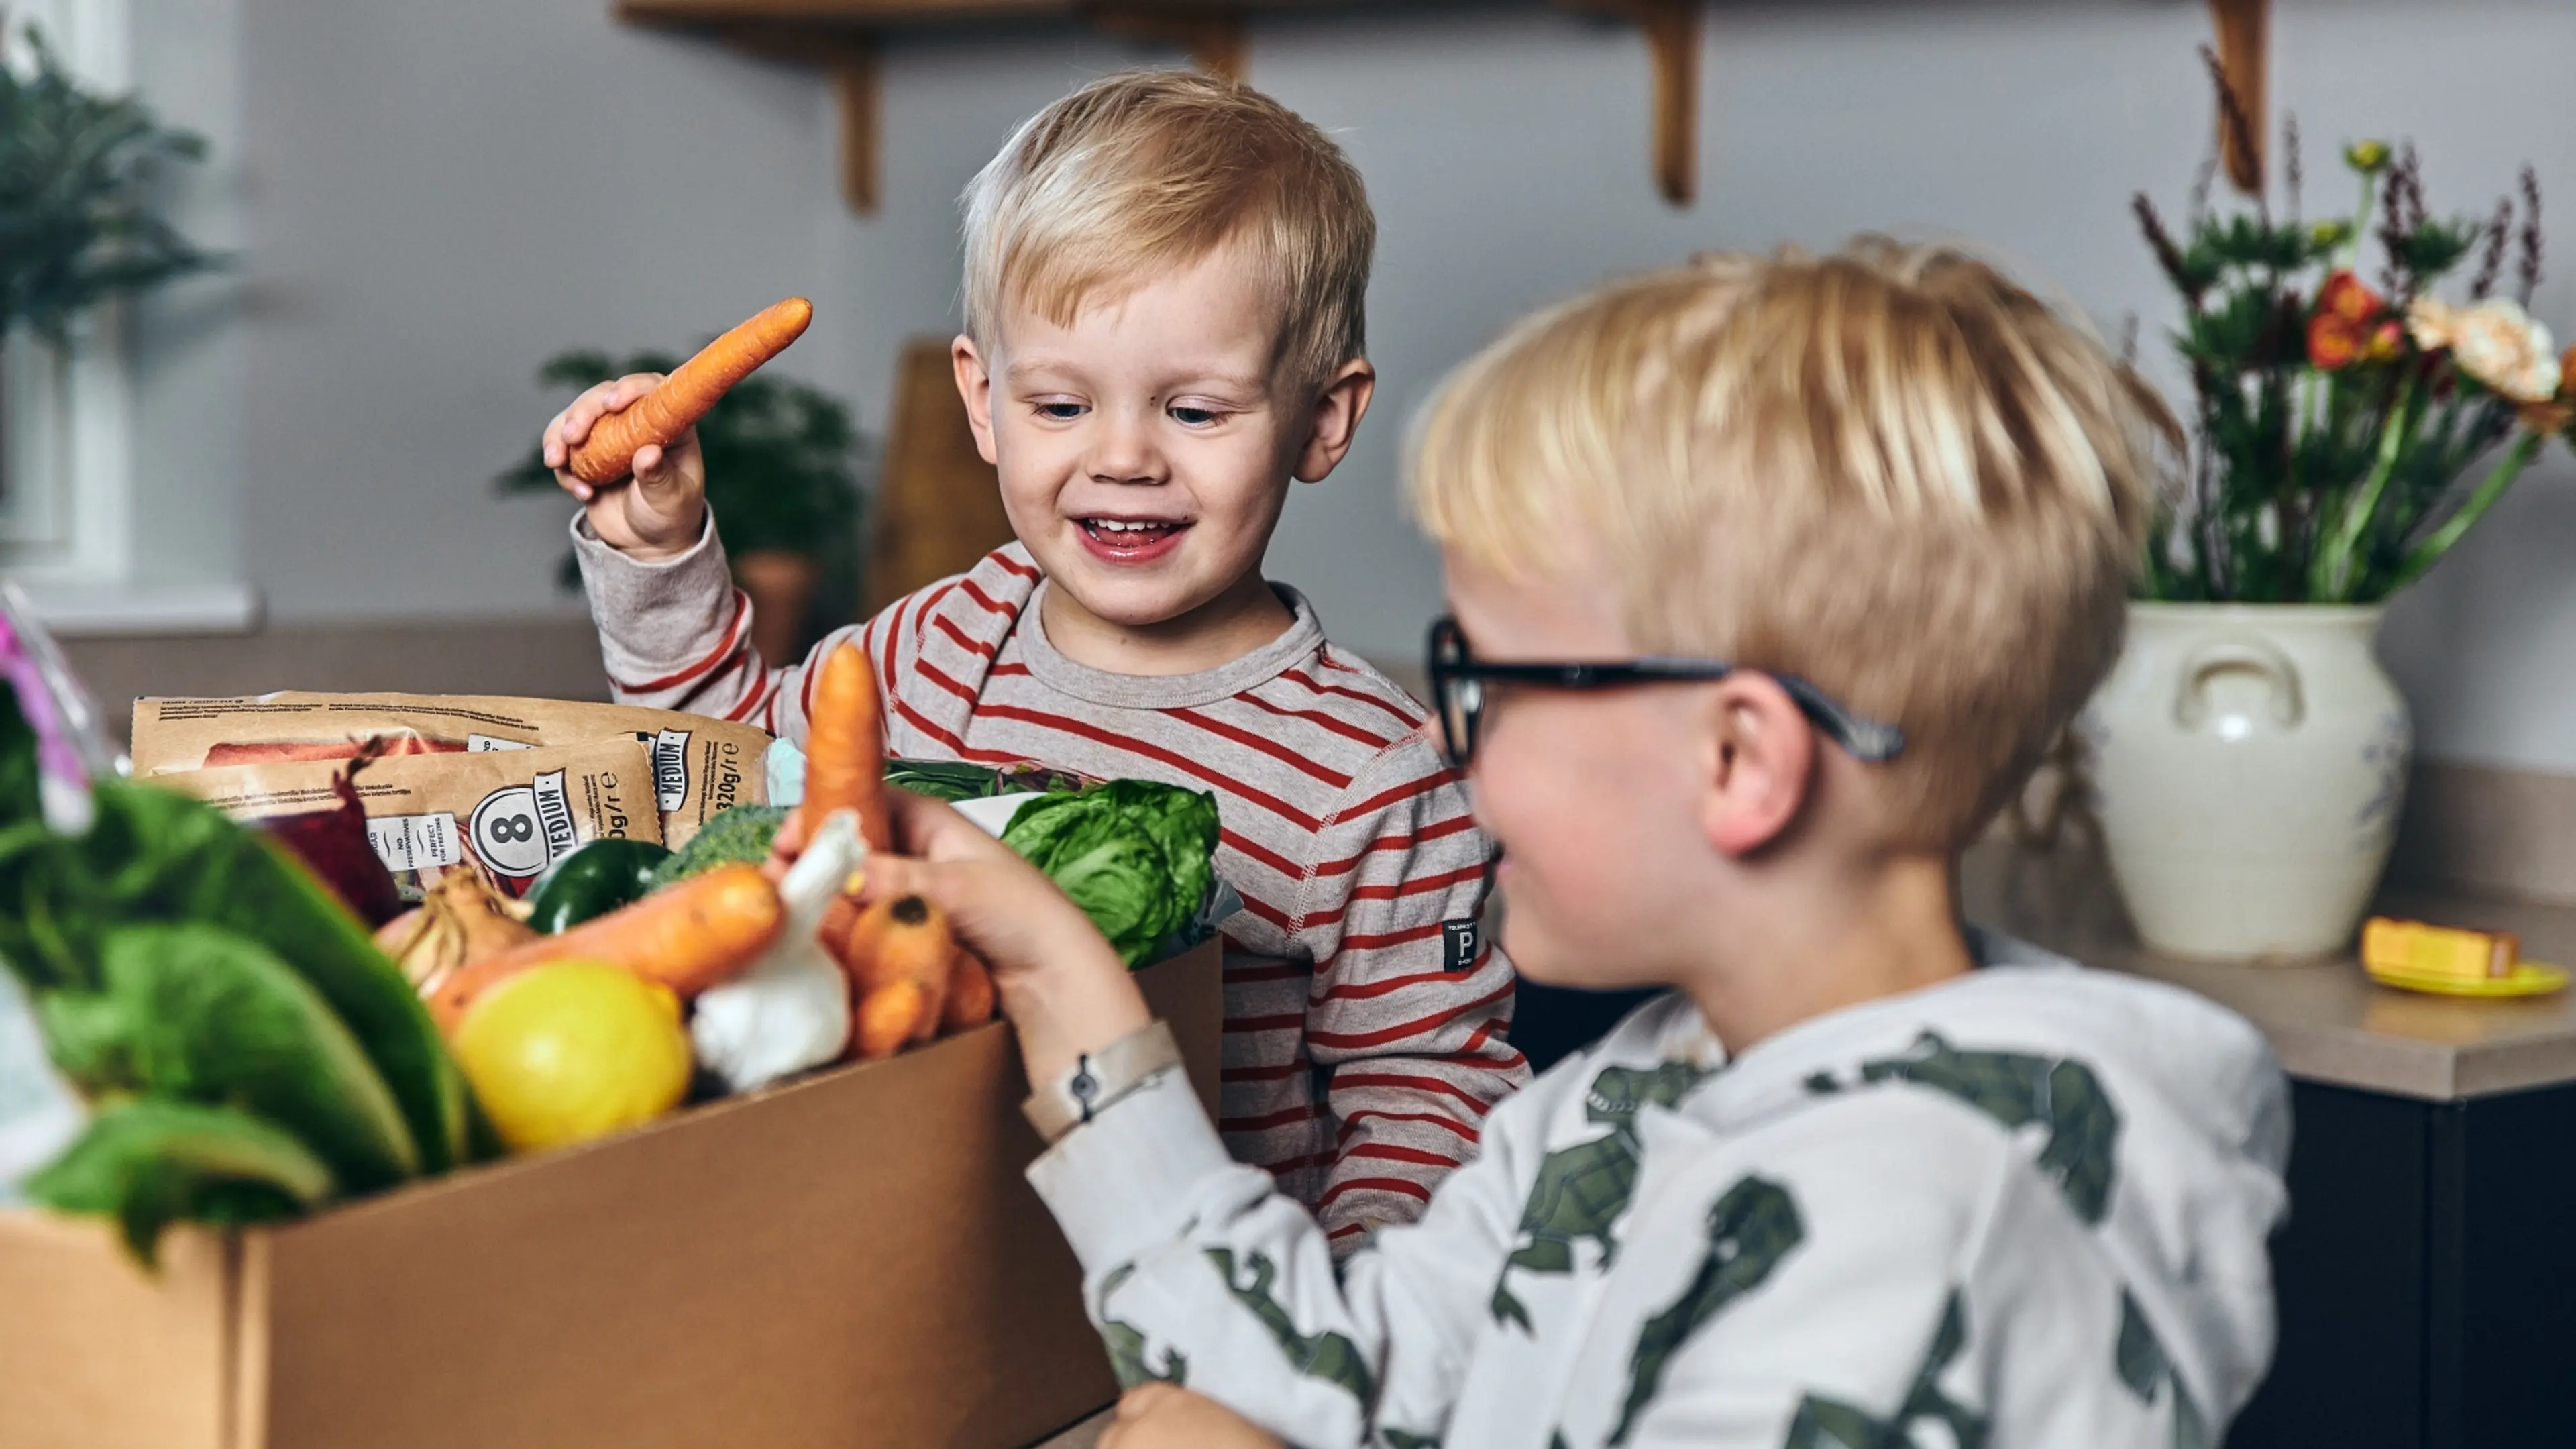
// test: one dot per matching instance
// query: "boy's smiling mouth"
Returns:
(1130, 540)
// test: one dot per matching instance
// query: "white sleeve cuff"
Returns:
(1128, 1178)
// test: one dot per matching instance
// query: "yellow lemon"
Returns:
(571, 1051)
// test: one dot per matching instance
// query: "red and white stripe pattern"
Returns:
(1357, 1068)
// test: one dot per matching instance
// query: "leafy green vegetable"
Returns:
(153, 856)
(1136, 856)
(954, 780)
(21, 797)
(741, 834)
(197, 1013)
(943, 780)
(149, 1163)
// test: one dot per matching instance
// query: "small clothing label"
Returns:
(1458, 940)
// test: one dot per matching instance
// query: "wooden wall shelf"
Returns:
(842, 37)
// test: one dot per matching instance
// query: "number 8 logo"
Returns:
(504, 832)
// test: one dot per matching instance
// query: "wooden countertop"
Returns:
(2327, 1021)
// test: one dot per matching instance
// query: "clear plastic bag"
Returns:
(39, 1113)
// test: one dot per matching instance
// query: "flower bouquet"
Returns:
(2337, 420)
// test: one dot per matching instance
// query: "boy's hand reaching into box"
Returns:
(660, 511)
(1059, 980)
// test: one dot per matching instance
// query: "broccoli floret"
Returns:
(740, 834)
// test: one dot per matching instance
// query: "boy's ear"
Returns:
(1336, 421)
(1762, 760)
(975, 385)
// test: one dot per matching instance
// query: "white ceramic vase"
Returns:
(2248, 763)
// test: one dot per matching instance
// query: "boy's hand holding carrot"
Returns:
(1059, 980)
(640, 431)
(662, 509)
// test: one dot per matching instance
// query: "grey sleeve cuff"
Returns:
(655, 618)
(1127, 1179)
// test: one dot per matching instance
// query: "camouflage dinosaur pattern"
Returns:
(2017, 1090)
(1126, 1343)
(1750, 1229)
(2140, 1358)
(1830, 1424)
(1328, 1356)
(1581, 1190)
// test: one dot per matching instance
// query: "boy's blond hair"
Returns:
(1889, 471)
(1149, 171)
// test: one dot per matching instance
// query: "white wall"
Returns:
(430, 199)
(433, 197)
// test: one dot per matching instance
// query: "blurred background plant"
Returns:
(78, 223)
(784, 480)
(2336, 421)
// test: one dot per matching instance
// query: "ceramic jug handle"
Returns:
(2191, 701)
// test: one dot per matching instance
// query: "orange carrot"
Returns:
(887, 1018)
(688, 937)
(845, 748)
(901, 946)
(835, 932)
(970, 993)
(662, 415)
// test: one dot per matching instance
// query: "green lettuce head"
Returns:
(1136, 856)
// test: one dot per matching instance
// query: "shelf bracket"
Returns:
(2244, 58)
(856, 95)
(1214, 39)
(1672, 32)
(848, 58)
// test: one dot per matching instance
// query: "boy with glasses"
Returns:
(1772, 577)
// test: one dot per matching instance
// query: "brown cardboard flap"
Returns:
(94, 1352)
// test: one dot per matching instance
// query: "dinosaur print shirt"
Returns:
(2026, 1207)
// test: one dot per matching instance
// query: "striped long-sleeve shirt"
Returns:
(1366, 1017)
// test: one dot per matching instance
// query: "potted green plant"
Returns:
(78, 224)
(2249, 755)
(782, 480)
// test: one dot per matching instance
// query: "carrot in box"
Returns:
(845, 748)
(658, 418)
(688, 937)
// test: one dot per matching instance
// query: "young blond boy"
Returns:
(1865, 1177)
(1165, 283)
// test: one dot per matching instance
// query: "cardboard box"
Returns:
(850, 1260)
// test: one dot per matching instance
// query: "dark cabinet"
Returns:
(2427, 1276)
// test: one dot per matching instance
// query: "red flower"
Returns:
(2340, 332)
(2333, 343)
(2347, 298)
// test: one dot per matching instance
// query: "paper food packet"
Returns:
(700, 766)
(515, 811)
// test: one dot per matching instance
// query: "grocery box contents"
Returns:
(739, 1102)
(848, 1261)
(700, 767)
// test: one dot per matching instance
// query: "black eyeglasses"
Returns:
(1458, 680)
